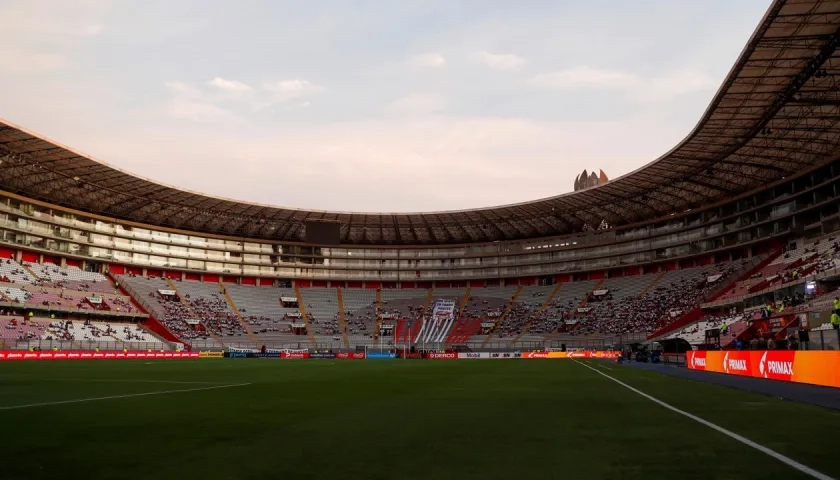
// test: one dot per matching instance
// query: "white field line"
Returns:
(114, 397)
(746, 441)
(116, 380)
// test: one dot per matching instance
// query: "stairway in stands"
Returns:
(501, 318)
(309, 332)
(463, 329)
(238, 314)
(652, 284)
(581, 305)
(342, 322)
(536, 314)
(186, 304)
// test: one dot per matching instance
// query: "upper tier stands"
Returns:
(674, 293)
(808, 258)
(50, 275)
(47, 285)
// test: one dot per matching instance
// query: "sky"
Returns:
(363, 105)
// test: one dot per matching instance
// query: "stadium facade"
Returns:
(760, 169)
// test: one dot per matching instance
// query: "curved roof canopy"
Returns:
(775, 114)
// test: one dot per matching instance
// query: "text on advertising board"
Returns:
(814, 367)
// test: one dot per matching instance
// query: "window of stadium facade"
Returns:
(804, 206)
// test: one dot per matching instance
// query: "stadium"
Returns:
(725, 245)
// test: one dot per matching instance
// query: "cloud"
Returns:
(184, 89)
(417, 104)
(200, 111)
(427, 60)
(286, 90)
(490, 160)
(221, 99)
(634, 86)
(585, 77)
(229, 85)
(500, 61)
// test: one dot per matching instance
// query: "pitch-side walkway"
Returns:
(797, 392)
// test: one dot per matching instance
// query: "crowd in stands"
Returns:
(215, 314)
(20, 329)
(650, 311)
(176, 317)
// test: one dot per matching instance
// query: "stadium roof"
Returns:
(776, 114)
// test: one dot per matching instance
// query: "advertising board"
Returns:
(380, 355)
(324, 355)
(350, 355)
(90, 355)
(472, 355)
(442, 356)
(606, 355)
(814, 367)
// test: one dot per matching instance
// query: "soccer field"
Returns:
(258, 419)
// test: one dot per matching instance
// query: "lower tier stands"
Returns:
(168, 309)
(21, 333)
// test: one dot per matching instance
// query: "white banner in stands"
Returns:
(713, 278)
(388, 316)
(444, 311)
(298, 325)
(584, 309)
(487, 324)
(95, 300)
(293, 315)
(571, 322)
(166, 292)
(600, 293)
(288, 299)
(192, 321)
(494, 314)
(473, 355)
(675, 313)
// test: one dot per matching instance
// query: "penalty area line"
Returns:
(746, 441)
(114, 397)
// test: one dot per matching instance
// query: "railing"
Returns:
(78, 312)
(571, 342)
(823, 340)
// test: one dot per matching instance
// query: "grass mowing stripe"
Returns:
(114, 397)
(746, 441)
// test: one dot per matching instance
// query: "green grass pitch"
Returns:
(324, 419)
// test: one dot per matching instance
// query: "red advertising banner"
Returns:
(88, 355)
(350, 356)
(571, 354)
(294, 354)
(442, 356)
(814, 367)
